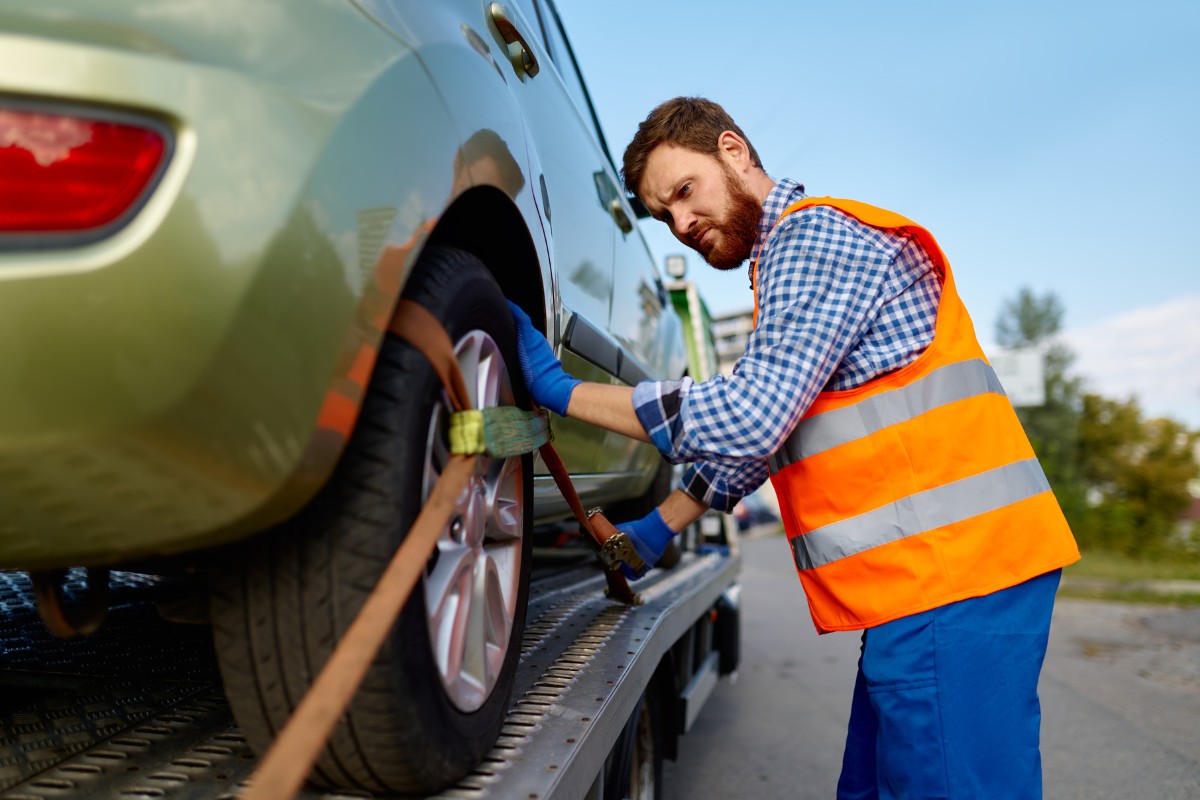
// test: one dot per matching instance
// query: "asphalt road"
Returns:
(1120, 700)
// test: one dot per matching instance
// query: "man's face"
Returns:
(703, 202)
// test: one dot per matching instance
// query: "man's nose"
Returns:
(684, 222)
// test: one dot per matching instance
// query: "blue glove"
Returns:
(650, 536)
(549, 384)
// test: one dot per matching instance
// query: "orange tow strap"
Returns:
(289, 760)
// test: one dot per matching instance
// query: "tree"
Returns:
(1053, 428)
(1122, 481)
(1028, 319)
(1136, 473)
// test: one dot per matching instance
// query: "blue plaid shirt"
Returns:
(839, 303)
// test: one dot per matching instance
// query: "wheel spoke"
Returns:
(436, 448)
(491, 620)
(505, 499)
(469, 352)
(447, 599)
(499, 602)
(472, 673)
(491, 381)
(454, 560)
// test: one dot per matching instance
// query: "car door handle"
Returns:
(519, 51)
(619, 216)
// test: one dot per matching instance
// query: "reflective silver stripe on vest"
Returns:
(944, 385)
(921, 512)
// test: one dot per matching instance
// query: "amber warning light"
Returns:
(70, 174)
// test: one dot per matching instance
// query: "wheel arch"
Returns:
(485, 223)
(482, 221)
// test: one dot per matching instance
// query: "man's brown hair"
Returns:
(691, 122)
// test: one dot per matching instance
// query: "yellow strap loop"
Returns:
(466, 433)
(499, 432)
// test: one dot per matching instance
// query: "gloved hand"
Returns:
(549, 384)
(650, 536)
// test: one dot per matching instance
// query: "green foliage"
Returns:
(1144, 593)
(1104, 575)
(1136, 472)
(1028, 319)
(1121, 480)
(1032, 321)
(1105, 565)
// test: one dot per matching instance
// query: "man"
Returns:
(913, 503)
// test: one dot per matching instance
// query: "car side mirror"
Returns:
(639, 208)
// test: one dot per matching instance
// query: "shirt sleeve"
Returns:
(720, 485)
(821, 279)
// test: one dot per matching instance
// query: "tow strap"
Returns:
(501, 432)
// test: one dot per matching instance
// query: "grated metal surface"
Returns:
(189, 750)
(133, 642)
(66, 704)
(136, 710)
(562, 725)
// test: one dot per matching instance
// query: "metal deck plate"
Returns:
(137, 711)
(559, 731)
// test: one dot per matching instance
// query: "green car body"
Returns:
(190, 377)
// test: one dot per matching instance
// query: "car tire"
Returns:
(434, 700)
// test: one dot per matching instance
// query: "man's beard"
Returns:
(739, 229)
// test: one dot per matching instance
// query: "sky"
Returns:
(1053, 146)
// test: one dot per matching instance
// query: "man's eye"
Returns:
(685, 190)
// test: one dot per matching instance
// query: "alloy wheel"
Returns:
(473, 579)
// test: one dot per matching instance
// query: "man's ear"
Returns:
(734, 150)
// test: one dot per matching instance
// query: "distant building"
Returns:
(730, 333)
(729, 337)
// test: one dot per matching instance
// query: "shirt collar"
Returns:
(783, 194)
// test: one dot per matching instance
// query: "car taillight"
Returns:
(70, 174)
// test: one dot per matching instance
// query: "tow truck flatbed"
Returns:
(137, 710)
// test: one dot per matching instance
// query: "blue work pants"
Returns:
(946, 703)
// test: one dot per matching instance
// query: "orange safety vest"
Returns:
(918, 488)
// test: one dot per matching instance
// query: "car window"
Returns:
(564, 60)
(533, 16)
